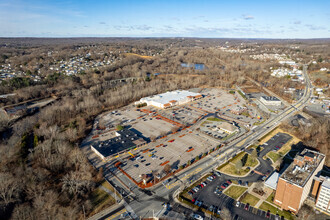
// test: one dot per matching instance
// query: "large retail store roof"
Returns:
(167, 97)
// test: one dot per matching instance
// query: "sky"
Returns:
(165, 18)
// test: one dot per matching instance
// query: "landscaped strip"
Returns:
(274, 210)
(235, 191)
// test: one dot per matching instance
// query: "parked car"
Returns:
(211, 208)
(209, 178)
(217, 191)
(240, 182)
(198, 217)
(268, 214)
(247, 206)
(237, 204)
(196, 202)
(219, 211)
(195, 189)
(229, 182)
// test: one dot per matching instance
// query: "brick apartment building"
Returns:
(294, 184)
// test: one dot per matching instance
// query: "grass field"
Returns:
(273, 156)
(249, 163)
(251, 199)
(214, 119)
(231, 169)
(235, 191)
(100, 200)
(266, 206)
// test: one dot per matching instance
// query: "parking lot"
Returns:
(210, 196)
(173, 135)
(276, 142)
(175, 150)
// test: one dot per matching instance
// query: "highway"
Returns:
(148, 203)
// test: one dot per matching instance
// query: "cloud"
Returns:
(215, 30)
(315, 27)
(297, 22)
(133, 27)
(141, 27)
(102, 22)
(247, 17)
(168, 27)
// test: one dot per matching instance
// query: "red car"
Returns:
(268, 214)
(229, 181)
(247, 206)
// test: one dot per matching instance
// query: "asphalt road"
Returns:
(147, 203)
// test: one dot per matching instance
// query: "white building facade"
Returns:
(170, 99)
(323, 200)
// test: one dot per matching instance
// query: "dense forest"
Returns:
(43, 173)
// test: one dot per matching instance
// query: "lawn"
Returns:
(249, 163)
(271, 197)
(235, 191)
(237, 157)
(274, 156)
(266, 206)
(214, 119)
(251, 199)
(231, 169)
(100, 200)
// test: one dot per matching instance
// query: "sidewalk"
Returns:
(106, 211)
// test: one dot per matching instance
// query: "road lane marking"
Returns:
(241, 143)
(116, 214)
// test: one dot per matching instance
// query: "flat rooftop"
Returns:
(270, 98)
(326, 184)
(166, 97)
(299, 175)
(126, 139)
